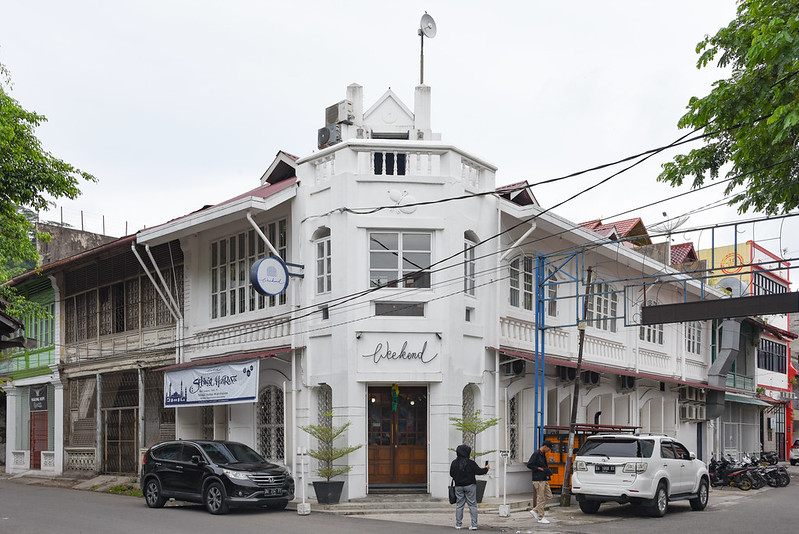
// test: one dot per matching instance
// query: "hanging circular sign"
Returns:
(269, 276)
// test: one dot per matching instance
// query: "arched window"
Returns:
(603, 307)
(522, 271)
(651, 333)
(271, 426)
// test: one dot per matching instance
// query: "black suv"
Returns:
(218, 474)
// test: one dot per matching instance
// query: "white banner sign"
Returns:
(229, 383)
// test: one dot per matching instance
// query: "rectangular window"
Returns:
(400, 259)
(652, 333)
(323, 266)
(400, 309)
(468, 268)
(693, 337)
(602, 307)
(772, 356)
(765, 285)
(231, 261)
(389, 163)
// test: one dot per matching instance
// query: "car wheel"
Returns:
(589, 507)
(700, 503)
(152, 494)
(279, 505)
(214, 499)
(661, 502)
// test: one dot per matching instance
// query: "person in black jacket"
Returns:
(462, 470)
(541, 473)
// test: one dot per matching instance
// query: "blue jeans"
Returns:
(466, 495)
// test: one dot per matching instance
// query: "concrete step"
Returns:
(406, 504)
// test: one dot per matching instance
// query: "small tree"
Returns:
(327, 453)
(472, 425)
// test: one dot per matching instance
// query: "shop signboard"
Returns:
(38, 398)
(229, 383)
(403, 354)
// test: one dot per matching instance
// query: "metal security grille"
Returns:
(81, 427)
(324, 405)
(513, 427)
(468, 411)
(271, 428)
(208, 422)
(119, 393)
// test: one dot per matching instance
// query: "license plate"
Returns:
(605, 468)
(273, 491)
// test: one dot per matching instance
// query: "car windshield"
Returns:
(231, 453)
(617, 447)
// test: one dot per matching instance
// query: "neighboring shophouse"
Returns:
(90, 389)
(769, 371)
(412, 299)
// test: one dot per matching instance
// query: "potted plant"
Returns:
(329, 491)
(470, 426)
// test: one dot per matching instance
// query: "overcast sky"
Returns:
(177, 104)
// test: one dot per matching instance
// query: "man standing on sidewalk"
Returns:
(541, 473)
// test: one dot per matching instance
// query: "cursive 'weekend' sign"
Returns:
(385, 351)
(231, 383)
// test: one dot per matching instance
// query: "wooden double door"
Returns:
(397, 444)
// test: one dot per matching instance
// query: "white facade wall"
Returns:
(343, 350)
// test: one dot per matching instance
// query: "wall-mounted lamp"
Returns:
(358, 335)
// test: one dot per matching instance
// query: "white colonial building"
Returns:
(412, 299)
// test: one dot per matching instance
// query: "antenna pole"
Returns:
(421, 60)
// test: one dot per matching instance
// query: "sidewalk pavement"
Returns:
(519, 520)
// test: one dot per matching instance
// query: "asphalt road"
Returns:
(31, 509)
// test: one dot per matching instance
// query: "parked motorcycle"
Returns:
(768, 458)
(723, 472)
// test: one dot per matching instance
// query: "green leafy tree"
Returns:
(327, 453)
(751, 119)
(471, 426)
(30, 178)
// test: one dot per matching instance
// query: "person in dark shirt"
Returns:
(541, 473)
(463, 470)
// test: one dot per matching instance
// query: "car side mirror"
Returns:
(692, 455)
(196, 460)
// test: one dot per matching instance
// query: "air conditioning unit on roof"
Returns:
(339, 113)
(329, 135)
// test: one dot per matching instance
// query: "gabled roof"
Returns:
(261, 198)
(520, 193)
(392, 112)
(683, 252)
(631, 230)
(283, 167)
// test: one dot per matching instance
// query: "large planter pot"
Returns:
(328, 492)
(481, 489)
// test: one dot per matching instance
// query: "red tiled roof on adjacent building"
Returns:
(632, 230)
(682, 253)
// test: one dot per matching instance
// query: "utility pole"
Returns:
(566, 491)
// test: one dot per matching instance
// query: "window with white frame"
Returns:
(231, 261)
(602, 307)
(469, 268)
(693, 337)
(522, 274)
(551, 292)
(324, 277)
(400, 259)
(651, 333)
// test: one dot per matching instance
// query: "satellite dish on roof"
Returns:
(427, 28)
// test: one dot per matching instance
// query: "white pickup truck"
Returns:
(795, 453)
